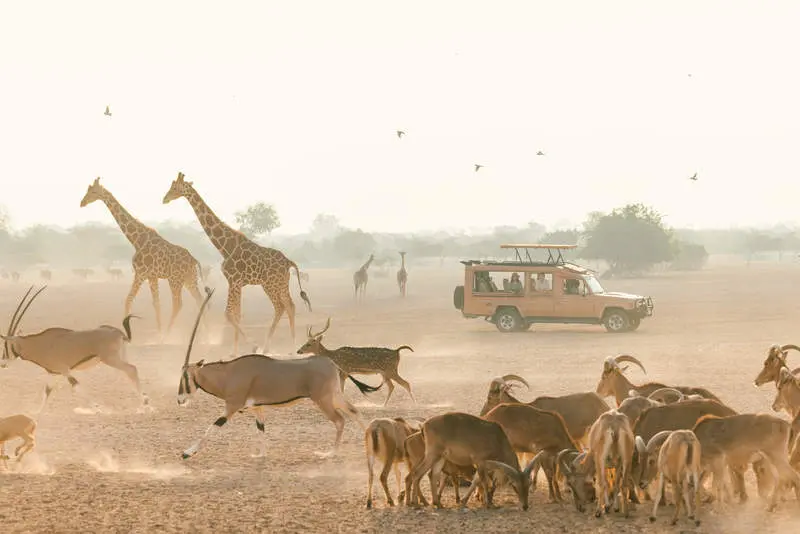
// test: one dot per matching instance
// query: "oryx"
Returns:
(59, 351)
(256, 381)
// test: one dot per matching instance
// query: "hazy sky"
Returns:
(296, 103)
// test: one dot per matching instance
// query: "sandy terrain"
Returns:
(120, 471)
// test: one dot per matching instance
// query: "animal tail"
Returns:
(303, 294)
(398, 349)
(200, 271)
(689, 452)
(364, 388)
(126, 324)
(375, 437)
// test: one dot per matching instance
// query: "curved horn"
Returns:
(308, 332)
(327, 325)
(16, 312)
(628, 358)
(784, 348)
(560, 455)
(658, 395)
(658, 440)
(209, 292)
(507, 378)
(640, 445)
(14, 328)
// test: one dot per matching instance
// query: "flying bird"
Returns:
(107, 112)
(540, 153)
(477, 167)
(400, 134)
(693, 177)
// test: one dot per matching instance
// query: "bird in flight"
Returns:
(400, 134)
(477, 167)
(693, 177)
(540, 153)
(107, 112)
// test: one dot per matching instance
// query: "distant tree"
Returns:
(5, 220)
(631, 238)
(325, 226)
(258, 219)
(689, 256)
(353, 244)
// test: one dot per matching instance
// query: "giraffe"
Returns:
(360, 277)
(402, 275)
(244, 263)
(155, 257)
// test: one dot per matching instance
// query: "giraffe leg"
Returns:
(156, 300)
(278, 305)
(233, 312)
(135, 286)
(176, 288)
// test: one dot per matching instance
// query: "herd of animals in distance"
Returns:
(652, 437)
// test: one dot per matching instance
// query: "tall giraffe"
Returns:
(155, 257)
(244, 263)
(360, 277)
(402, 275)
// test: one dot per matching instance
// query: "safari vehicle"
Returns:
(549, 291)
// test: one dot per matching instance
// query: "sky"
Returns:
(296, 103)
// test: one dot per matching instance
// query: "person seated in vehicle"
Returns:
(515, 286)
(506, 285)
(571, 287)
(484, 282)
(542, 283)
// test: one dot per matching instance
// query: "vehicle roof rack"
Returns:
(554, 256)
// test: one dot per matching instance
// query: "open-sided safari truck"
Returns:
(516, 294)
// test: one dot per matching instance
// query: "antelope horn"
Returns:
(560, 456)
(327, 325)
(209, 292)
(16, 312)
(308, 332)
(784, 348)
(25, 308)
(627, 358)
(658, 395)
(518, 378)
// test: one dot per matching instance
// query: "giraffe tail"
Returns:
(303, 294)
(200, 271)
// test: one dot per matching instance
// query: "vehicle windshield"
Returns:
(594, 285)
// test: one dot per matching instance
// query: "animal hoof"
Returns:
(673, 522)
(598, 514)
(652, 519)
(369, 505)
(185, 456)
(390, 503)
(697, 522)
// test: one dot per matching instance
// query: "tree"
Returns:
(631, 238)
(257, 219)
(353, 244)
(689, 256)
(325, 226)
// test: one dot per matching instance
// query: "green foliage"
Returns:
(689, 256)
(258, 219)
(631, 238)
(354, 244)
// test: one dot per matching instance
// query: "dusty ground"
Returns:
(120, 471)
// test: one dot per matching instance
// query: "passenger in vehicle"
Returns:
(515, 286)
(542, 283)
(571, 286)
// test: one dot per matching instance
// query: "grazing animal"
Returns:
(415, 453)
(679, 464)
(60, 351)
(155, 257)
(17, 426)
(244, 263)
(360, 360)
(255, 381)
(360, 278)
(385, 439)
(114, 272)
(611, 444)
(402, 275)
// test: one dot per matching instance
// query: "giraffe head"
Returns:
(94, 192)
(179, 188)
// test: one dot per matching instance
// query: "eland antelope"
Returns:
(60, 351)
(256, 381)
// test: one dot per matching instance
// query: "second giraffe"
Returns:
(244, 263)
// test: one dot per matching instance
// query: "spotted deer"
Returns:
(360, 360)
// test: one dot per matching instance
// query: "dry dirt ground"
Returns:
(120, 471)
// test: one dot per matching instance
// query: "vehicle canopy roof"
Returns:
(523, 258)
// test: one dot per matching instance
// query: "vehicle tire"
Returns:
(524, 326)
(507, 320)
(634, 324)
(616, 321)
(458, 297)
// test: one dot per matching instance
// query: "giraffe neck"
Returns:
(403, 262)
(136, 231)
(366, 265)
(222, 236)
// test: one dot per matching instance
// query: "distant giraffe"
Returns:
(155, 257)
(360, 277)
(244, 263)
(402, 275)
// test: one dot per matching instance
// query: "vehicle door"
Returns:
(538, 302)
(572, 298)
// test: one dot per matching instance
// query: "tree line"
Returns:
(629, 239)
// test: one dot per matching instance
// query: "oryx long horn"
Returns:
(518, 378)
(784, 348)
(209, 292)
(25, 309)
(16, 312)
(317, 334)
(658, 395)
(628, 358)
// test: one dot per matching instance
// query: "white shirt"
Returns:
(543, 284)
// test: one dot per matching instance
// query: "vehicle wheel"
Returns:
(507, 320)
(616, 321)
(634, 324)
(524, 326)
(458, 297)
